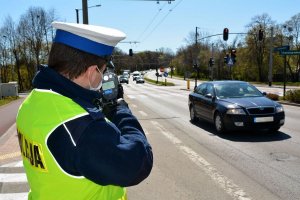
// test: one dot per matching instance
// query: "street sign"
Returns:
(282, 48)
(230, 62)
(291, 52)
(165, 74)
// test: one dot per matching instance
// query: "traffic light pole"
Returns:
(284, 77)
(271, 58)
(221, 34)
(85, 12)
(196, 64)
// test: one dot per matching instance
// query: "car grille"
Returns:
(261, 110)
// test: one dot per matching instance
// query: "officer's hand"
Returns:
(109, 111)
(122, 102)
(120, 91)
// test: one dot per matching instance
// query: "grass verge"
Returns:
(159, 82)
(6, 100)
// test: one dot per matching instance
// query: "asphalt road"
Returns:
(8, 115)
(191, 161)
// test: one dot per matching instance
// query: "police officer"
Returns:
(70, 149)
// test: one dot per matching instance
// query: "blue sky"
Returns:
(161, 25)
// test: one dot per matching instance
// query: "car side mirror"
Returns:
(264, 93)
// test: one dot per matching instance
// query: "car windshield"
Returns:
(236, 90)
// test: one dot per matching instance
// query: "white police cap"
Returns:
(92, 39)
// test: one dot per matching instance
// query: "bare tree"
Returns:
(257, 49)
(10, 43)
(34, 24)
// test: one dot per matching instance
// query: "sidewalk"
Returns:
(9, 146)
(276, 89)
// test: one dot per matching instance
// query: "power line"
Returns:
(158, 12)
(162, 20)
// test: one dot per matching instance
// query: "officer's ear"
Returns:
(91, 69)
(102, 68)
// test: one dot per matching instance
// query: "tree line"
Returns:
(26, 44)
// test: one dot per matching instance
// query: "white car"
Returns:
(135, 74)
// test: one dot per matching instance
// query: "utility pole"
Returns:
(77, 15)
(85, 12)
(284, 77)
(195, 60)
(271, 58)
(212, 67)
(196, 36)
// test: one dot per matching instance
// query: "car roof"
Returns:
(221, 82)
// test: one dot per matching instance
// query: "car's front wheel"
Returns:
(193, 114)
(219, 124)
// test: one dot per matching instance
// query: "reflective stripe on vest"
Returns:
(39, 115)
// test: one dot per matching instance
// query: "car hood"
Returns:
(249, 102)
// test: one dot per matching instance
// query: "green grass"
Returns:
(287, 83)
(7, 100)
(159, 82)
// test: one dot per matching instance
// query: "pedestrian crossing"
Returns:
(151, 91)
(13, 182)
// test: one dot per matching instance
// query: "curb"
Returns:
(289, 103)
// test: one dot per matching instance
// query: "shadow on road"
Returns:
(244, 136)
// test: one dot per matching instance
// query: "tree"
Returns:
(291, 29)
(257, 49)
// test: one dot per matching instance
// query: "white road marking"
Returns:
(131, 96)
(14, 164)
(14, 196)
(13, 177)
(143, 113)
(224, 182)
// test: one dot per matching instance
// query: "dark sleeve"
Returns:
(115, 153)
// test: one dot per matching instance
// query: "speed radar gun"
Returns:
(111, 89)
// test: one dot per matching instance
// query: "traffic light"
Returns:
(211, 62)
(130, 52)
(260, 35)
(195, 66)
(226, 58)
(225, 34)
(233, 55)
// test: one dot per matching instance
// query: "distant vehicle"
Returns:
(139, 79)
(235, 105)
(123, 79)
(126, 73)
(135, 74)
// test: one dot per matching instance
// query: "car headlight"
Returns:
(279, 109)
(236, 111)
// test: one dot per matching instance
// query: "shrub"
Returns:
(272, 96)
(293, 96)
